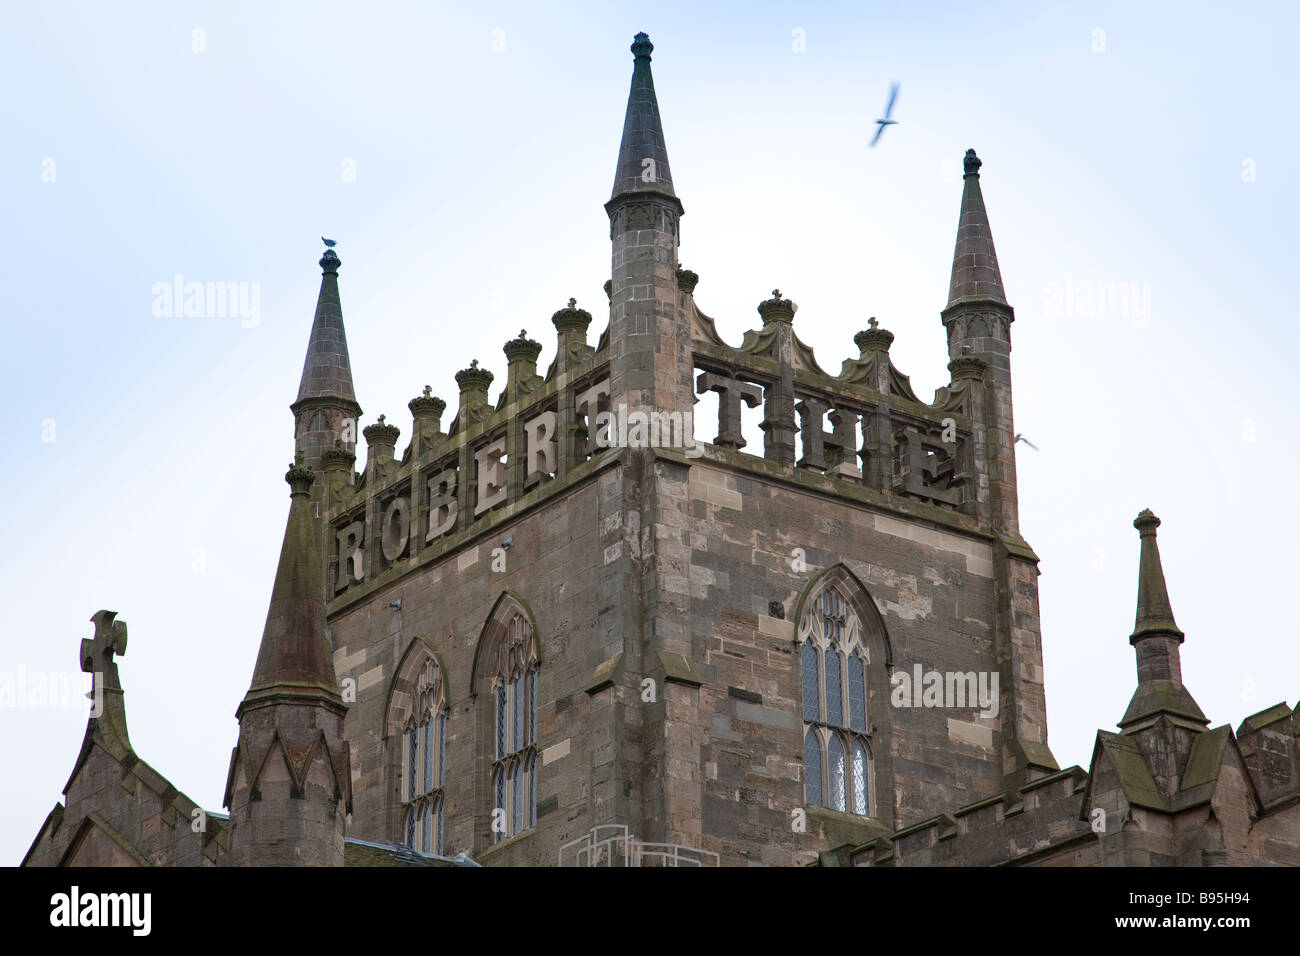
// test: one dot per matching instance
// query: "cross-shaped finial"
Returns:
(473, 363)
(776, 293)
(428, 390)
(872, 322)
(573, 303)
(110, 638)
(523, 334)
(381, 419)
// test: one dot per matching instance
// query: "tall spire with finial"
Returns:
(975, 274)
(649, 334)
(642, 155)
(978, 322)
(1156, 639)
(326, 410)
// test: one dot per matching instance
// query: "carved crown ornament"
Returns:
(381, 433)
(427, 404)
(473, 378)
(873, 339)
(522, 348)
(571, 318)
(777, 308)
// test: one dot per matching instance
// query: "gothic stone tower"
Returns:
(561, 613)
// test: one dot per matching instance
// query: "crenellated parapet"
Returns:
(864, 428)
(1017, 827)
(500, 455)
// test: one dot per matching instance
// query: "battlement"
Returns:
(885, 447)
(882, 436)
(1009, 828)
(494, 461)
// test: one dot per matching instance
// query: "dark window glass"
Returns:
(834, 690)
(835, 763)
(811, 694)
(812, 767)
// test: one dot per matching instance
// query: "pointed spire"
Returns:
(1155, 640)
(975, 273)
(1154, 615)
(295, 658)
(326, 372)
(642, 155)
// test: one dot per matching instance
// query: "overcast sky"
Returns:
(461, 156)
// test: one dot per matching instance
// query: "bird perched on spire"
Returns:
(329, 243)
(889, 109)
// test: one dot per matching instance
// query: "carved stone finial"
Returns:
(967, 367)
(522, 348)
(1146, 522)
(381, 433)
(473, 377)
(426, 404)
(300, 479)
(687, 281)
(571, 318)
(337, 458)
(972, 163)
(777, 308)
(641, 46)
(873, 339)
(109, 639)
(330, 262)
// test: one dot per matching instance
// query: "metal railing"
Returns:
(611, 844)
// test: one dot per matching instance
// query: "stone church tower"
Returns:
(562, 629)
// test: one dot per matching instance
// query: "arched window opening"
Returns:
(514, 697)
(424, 757)
(833, 669)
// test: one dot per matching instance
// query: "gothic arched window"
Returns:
(833, 665)
(424, 751)
(514, 754)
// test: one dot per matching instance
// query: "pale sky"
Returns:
(461, 156)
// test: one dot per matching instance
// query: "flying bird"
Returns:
(329, 243)
(1020, 437)
(889, 109)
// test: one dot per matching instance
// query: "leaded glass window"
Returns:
(812, 762)
(835, 764)
(514, 772)
(859, 784)
(424, 754)
(833, 664)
